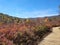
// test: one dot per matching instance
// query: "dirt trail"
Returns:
(53, 38)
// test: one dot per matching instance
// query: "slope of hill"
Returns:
(25, 31)
(4, 18)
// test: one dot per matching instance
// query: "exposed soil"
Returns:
(53, 38)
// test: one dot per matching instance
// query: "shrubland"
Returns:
(25, 31)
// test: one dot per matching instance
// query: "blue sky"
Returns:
(29, 8)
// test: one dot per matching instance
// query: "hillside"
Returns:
(4, 18)
(25, 31)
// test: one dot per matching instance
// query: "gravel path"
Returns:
(53, 38)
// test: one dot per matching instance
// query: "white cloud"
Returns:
(36, 13)
(22, 13)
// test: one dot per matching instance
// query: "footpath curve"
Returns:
(53, 38)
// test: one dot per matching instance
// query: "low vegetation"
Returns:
(25, 31)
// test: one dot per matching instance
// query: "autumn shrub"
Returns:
(42, 30)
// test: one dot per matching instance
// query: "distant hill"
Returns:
(5, 19)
